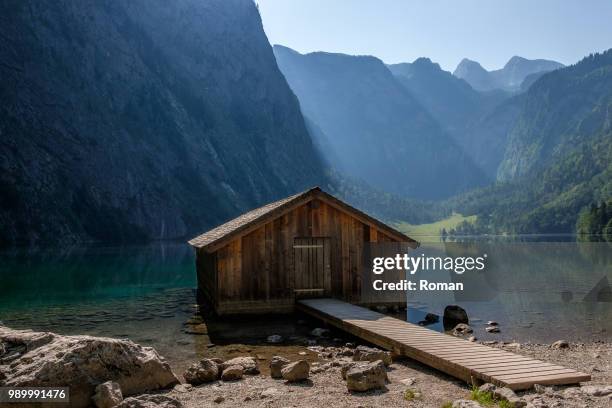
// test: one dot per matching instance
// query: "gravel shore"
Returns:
(326, 387)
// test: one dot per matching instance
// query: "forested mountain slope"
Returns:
(559, 155)
(376, 129)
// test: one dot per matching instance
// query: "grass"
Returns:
(482, 397)
(487, 399)
(433, 229)
(447, 405)
(412, 394)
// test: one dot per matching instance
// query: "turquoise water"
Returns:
(538, 293)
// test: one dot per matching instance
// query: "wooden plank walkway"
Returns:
(457, 357)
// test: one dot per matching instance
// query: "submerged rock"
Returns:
(366, 376)
(276, 365)
(319, 332)
(203, 371)
(297, 371)
(107, 395)
(492, 329)
(364, 353)
(83, 362)
(274, 339)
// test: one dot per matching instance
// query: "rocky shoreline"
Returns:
(110, 372)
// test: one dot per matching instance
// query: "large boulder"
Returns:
(150, 401)
(107, 395)
(248, 364)
(453, 315)
(297, 371)
(364, 353)
(366, 376)
(276, 365)
(81, 363)
(205, 370)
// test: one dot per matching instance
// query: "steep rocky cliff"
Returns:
(142, 119)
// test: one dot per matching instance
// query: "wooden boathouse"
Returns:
(307, 245)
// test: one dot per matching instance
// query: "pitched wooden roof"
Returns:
(254, 218)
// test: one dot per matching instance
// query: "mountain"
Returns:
(474, 119)
(125, 121)
(377, 131)
(508, 78)
(558, 158)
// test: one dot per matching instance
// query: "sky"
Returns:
(487, 31)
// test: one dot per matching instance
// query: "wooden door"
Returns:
(312, 266)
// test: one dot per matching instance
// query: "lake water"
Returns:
(537, 293)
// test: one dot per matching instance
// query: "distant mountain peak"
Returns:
(508, 78)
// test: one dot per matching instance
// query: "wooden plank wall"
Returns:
(259, 265)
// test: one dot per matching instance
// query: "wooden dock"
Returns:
(468, 361)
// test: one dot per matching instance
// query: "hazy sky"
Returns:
(488, 31)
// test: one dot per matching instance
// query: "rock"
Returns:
(219, 399)
(596, 390)
(297, 371)
(107, 395)
(347, 352)
(408, 381)
(507, 394)
(345, 367)
(381, 309)
(453, 315)
(183, 388)
(487, 387)
(364, 353)
(248, 364)
(216, 360)
(462, 329)
(2, 349)
(149, 401)
(466, 404)
(366, 376)
(268, 392)
(83, 362)
(472, 339)
(432, 318)
(203, 371)
(492, 329)
(275, 338)
(492, 323)
(302, 353)
(560, 344)
(232, 373)
(319, 332)
(349, 345)
(276, 365)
